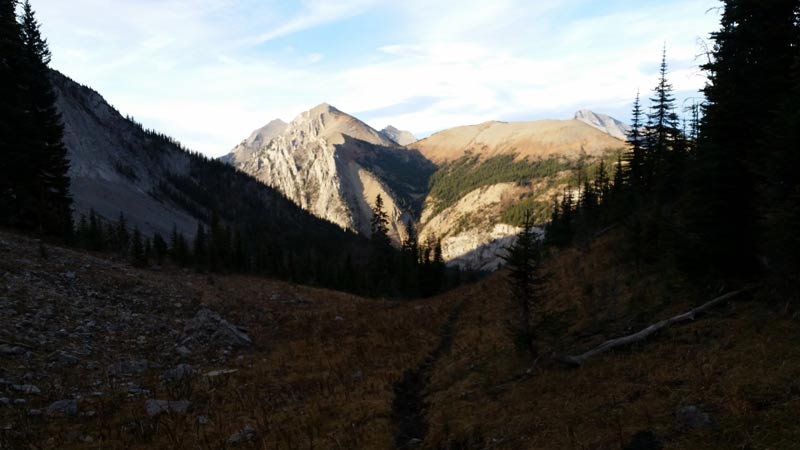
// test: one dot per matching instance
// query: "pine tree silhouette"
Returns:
(49, 204)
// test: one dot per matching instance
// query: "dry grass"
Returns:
(739, 363)
(321, 370)
(319, 375)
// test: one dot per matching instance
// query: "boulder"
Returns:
(157, 407)
(208, 327)
(63, 408)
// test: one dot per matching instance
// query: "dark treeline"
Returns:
(418, 270)
(376, 269)
(34, 185)
(715, 195)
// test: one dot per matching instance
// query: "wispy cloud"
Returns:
(314, 13)
(210, 71)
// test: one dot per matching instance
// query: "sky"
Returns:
(209, 72)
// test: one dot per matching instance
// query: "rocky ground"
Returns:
(78, 329)
(97, 354)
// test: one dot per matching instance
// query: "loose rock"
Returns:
(63, 407)
(246, 434)
(180, 373)
(128, 367)
(691, 417)
(207, 327)
(26, 388)
(10, 350)
(157, 407)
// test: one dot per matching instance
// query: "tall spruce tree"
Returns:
(379, 224)
(381, 251)
(662, 131)
(748, 79)
(12, 107)
(636, 156)
(47, 207)
(522, 259)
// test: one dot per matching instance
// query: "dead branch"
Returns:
(578, 360)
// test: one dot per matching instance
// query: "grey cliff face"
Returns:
(330, 164)
(114, 165)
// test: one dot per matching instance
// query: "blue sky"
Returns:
(208, 72)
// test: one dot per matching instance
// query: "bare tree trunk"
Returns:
(578, 360)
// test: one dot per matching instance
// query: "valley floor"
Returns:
(96, 354)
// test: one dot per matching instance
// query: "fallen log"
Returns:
(578, 360)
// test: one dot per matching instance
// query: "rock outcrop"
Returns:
(604, 123)
(333, 165)
(209, 328)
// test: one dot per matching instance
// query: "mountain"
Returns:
(489, 175)
(466, 186)
(334, 165)
(537, 139)
(117, 167)
(604, 123)
(244, 151)
(399, 137)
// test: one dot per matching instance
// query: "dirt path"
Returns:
(408, 408)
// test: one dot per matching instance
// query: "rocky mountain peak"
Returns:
(400, 137)
(323, 108)
(260, 136)
(330, 123)
(603, 122)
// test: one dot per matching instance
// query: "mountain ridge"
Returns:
(334, 165)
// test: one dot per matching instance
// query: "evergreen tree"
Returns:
(619, 180)
(602, 184)
(588, 199)
(179, 249)
(636, 157)
(200, 253)
(121, 236)
(559, 230)
(138, 256)
(48, 205)
(12, 107)
(380, 224)
(409, 263)
(381, 252)
(662, 117)
(522, 259)
(662, 132)
(160, 248)
(96, 237)
(748, 78)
